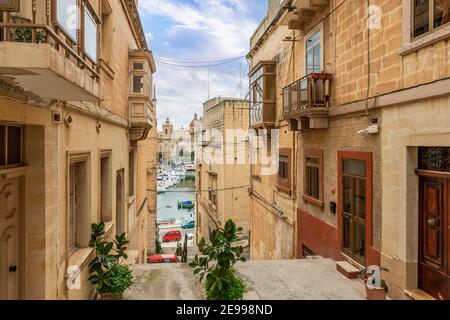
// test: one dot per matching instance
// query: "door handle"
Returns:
(431, 222)
(13, 269)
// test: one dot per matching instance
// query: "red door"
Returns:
(434, 248)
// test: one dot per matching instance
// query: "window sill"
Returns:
(80, 257)
(108, 228)
(313, 201)
(284, 189)
(424, 41)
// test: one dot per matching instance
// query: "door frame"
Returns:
(373, 256)
(19, 173)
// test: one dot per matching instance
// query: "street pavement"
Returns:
(165, 228)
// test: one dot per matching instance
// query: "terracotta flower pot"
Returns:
(107, 296)
(374, 293)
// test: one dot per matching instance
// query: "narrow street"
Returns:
(307, 279)
(164, 282)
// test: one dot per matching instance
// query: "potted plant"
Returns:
(110, 277)
(217, 264)
(376, 288)
(180, 251)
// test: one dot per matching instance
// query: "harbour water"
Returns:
(168, 202)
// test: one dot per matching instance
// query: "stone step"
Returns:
(347, 269)
(417, 294)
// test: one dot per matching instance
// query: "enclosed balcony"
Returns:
(263, 95)
(306, 102)
(141, 94)
(46, 53)
(299, 13)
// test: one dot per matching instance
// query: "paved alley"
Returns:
(164, 282)
(307, 279)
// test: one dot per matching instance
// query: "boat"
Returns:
(161, 188)
(186, 205)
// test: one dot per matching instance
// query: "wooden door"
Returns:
(434, 271)
(10, 239)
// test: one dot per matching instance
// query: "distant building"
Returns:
(195, 130)
(221, 186)
(174, 145)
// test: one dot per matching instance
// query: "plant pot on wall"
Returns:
(375, 293)
(107, 296)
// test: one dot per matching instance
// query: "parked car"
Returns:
(188, 225)
(163, 258)
(190, 236)
(171, 236)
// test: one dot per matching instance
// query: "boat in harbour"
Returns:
(186, 204)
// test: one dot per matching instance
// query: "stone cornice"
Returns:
(135, 22)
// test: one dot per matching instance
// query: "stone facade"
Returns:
(115, 171)
(406, 96)
(174, 145)
(221, 186)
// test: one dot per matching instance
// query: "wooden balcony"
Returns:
(300, 12)
(263, 95)
(262, 115)
(306, 102)
(46, 66)
(40, 58)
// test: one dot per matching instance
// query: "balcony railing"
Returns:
(307, 97)
(43, 34)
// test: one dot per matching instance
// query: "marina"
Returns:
(176, 196)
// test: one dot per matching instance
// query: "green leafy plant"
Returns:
(158, 247)
(180, 251)
(106, 273)
(120, 278)
(216, 266)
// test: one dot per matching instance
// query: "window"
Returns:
(313, 54)
(90, 36)
(105, 187)
(78, 203)
(10, 146)
(138, 66)
(354, 209)
(429, 15)
(67, 16)
(284, 171)
(72, 16)
(313, 176)
(138, 84)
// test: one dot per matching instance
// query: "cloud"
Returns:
(198, 30)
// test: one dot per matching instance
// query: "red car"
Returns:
(171, 236)
(163, 258)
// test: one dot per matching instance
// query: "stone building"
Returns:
(76, 112)
(195, 130)
(222, 169)
(360, 96)
(174, 145)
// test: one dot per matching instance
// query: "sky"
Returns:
(191, 33)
